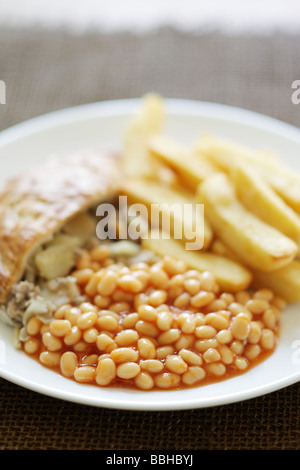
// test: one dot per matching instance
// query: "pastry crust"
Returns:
(36, 204)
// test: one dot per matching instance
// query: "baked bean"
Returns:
(163, 351)
(119, 307)
(240, 363)
(235, 308)
(90, 359)
(61, 311)
(73, 337)
(90, 335)
(158, 277)
(169, 336)
(240, 327)
(215, 305)
(220, 321)
(88, 307)
(200, 319)
(85, 374)
(254, 333)
(60, 327)
(252, 351)
(105, 343)
(192, 286)
(176, 364)
(130, 283)
(147, 313)
(107, 322)
(127, 337)
(105, 371)
(87, 320)
(129, 321)
(257, 305)
(224, 336)
(265, 294)
(91, 287)
(51, 342)
(164, 320)
(228, 298)
(152, 365)
(226, 354)
(211, 355)
(202, 299)
(31, 345)
(237, 347)
(83, 276)
(269, 318)
(102, 301)
(207, 281)
(173, 267)
(205, 332)
(202, 345)
(190, 357)
(121, 296)
(157, 298)
(128, 370)
(146, 348)
(109, 313)
(267, 339)
(215, 368)
(100, 252)
(50, 358)
(144, 381)
(186, 322)
(182, 301)
(119, 355)
(193, 375)
(167, 380)
(242, 297)
(184, 342)
(33, 326)
(107, 283)
(146, 328)
(68, 363)
(72, 315)
(80, 347)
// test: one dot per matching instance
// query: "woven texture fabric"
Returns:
(46, 71)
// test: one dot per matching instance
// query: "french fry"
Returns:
(225, 154)
(258, 244)
(231, 276)
(285, 182)
(258, 197)
(151, 194)
(191, 168)
(149, 121)
(284, 282)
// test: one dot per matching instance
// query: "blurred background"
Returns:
(63, 53)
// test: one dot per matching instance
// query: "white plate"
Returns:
(101, 125)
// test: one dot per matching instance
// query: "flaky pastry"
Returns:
(47, 207)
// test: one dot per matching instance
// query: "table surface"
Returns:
(50, 70)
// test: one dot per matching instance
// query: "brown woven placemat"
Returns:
(46, 71)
